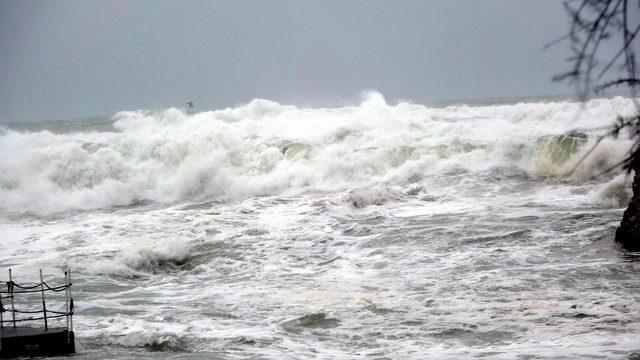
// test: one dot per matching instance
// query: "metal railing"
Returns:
(12, 289)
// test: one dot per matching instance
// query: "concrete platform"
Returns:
(28, 341)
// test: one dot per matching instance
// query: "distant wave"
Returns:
(265, 148)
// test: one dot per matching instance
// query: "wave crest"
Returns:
(265, 148)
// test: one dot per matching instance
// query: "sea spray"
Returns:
(264, 148)
(386, 230)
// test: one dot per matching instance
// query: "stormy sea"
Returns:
(378, 230)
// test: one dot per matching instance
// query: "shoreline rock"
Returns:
(628, 233)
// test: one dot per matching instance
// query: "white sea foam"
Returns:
(615, 193)
(137, 260)
(264, 148)
(386, 230)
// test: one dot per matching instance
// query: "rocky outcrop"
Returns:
(628, 233)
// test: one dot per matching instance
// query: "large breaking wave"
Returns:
(265, 148)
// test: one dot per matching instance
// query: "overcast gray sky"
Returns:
(70, 59)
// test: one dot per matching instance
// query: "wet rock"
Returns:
(628, 233)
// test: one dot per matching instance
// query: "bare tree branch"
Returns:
(594, 23)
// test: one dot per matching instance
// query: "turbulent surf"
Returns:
(373, 230)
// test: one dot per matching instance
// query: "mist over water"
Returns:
(374, 230)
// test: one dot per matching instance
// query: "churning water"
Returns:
(370, 231)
